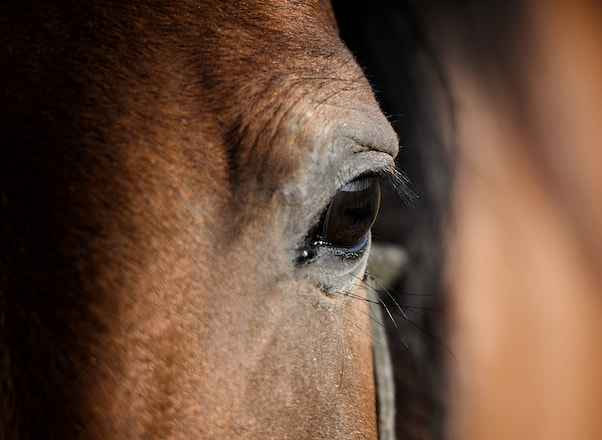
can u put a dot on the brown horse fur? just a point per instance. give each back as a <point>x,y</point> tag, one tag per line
<point>160,163</point>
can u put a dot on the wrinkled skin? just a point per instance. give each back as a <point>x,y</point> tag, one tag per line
<point>162,165</point>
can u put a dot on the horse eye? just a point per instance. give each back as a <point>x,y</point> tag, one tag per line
<point>351,214</point>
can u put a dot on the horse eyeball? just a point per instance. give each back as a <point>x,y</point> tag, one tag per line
<point>351,213</point>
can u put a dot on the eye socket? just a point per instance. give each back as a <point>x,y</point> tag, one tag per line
<point>351,214</point>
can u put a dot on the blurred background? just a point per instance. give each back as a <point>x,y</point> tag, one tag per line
<point>498,108</point>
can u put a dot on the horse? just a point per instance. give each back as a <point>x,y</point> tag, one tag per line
<point>186,195</point>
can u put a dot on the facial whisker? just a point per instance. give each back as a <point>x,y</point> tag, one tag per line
<point>361,329</point>
<point>401,311</point>
<point>379,301</point>
<point>415,309</point>
<point>370,313</point>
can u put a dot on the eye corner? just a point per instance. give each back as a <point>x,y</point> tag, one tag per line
<point>305,255</point>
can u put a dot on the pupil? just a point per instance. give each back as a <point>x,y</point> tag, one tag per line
<point>351,213</point>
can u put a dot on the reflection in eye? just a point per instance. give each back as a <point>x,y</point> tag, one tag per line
<point>351,213</point>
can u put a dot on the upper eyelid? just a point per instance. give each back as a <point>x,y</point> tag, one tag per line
<point>390,177</point>
<point>363,164</point>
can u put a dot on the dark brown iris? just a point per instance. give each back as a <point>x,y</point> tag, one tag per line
<point>351,213</point>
